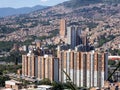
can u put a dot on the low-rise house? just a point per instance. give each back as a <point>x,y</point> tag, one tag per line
<point>12,84</point>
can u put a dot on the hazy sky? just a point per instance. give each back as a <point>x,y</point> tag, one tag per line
<point>28,3</point>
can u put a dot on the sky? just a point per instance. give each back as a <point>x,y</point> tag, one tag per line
<point>28,3</point>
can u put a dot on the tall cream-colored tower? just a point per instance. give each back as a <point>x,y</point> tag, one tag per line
<point>62,28</point>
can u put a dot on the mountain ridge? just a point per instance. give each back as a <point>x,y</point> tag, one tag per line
<point>9,11</point>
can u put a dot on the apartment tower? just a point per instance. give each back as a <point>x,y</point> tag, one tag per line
<point>62,28</point>
<point>86,69</point>
<point>73,36</point>
<point>40,67</point>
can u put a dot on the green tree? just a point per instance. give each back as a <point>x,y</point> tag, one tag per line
<point>3,79</point>
<point>57,86</point>
<point>111,62</point>
<point>45,81</point>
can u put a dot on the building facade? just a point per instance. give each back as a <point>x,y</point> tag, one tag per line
<point>86,69</point>
<point>40,67</point>
<point>62,28</point>
<point>73,36</point>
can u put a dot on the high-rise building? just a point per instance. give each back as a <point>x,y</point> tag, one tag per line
<point>15,47</point>
<point>84,39</point>
<point>40,67</point>
<point>86,69</point>
<point>62,28</point>
<point>38,43</point>
<point>73,36</point>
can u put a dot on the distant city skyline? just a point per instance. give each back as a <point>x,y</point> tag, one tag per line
<point>28,3</point>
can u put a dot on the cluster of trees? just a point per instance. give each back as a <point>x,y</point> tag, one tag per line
<point>112,63</point>
<point>3,79</point>
<point>4,69</point>
<point>5,29</point>
<point>114,52</point>
<point>6,45</point>
<point>103,39</point>
<point>14,57</point>
<point>91,25</point>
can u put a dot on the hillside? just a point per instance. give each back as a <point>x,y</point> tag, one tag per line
<point>79,3</point>
<point>12,11</point>
<point>101,20</point>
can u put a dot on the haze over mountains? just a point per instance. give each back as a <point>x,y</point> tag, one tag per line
<point>15,11</point>
<point>101,18</point>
